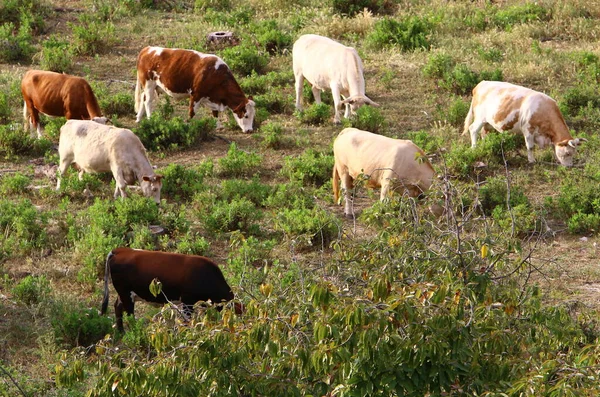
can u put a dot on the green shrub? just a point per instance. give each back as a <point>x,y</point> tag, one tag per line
<point>193,244</point>
<point>72,186</point>
<point>370,119</point>
<point>92,36</point>
<point>245,59</point>
<point>581,223</point>
<point>239,162</point>
<point>352,7</point>
<point>16,141</point>
<point>491,54</point>
<point>409,34</point>
<point>256,84</point>
<point>240,16</point>
<point>56,55</point>
<point>32,290</point>
<point>494,193</point>
<point>22,226</point>
<point>457,111</point>
<point>275,102</point>
<point>271,37</point>
<point>5,110</point>
<point>253,190</point>
<point>15,44</point>
<point>217,5</point>
<point>238,214</point>
<point>158,133</point>
<point>310,167</point>
<point>579,97</point>
<point>438,65</point>
<point>308,227</point>
<point>425,140</point>
<point>290,195</point>
<point>75,326</point>
<point>138,333</point>
<point>247,255</point>
<point>120,104</point>
<point>272,135</point>
<point>316,114</point>
<point>16,183</point>
<point>508,16</point>
<point>181,183</point>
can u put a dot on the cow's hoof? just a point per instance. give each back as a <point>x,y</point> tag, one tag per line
<point>349,216</point>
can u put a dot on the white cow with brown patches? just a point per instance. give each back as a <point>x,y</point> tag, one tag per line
<point>327,64</point>
<point>505,107</point>
<point>392,164</point>
<point>203,78</point>
<point>101,148</point>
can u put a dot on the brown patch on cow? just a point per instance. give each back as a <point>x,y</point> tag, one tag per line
<point>550,122</point>
<point>507,106</point>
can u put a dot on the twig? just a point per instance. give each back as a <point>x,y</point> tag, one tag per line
<point>13,380</point>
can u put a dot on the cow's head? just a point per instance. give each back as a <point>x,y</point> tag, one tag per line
<point>356,101</point>
<point>565,150</point>
<point>151,186</point>
<point>244,115</point>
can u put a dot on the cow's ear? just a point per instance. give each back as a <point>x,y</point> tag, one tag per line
<point>146,178</point>
<point>157,178</point>
<point>563,143</point>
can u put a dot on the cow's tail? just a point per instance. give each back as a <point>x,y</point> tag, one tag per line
<point>25,117</point>
<point>106,279</point>
<point>468,120</point>
<point>336,184</point>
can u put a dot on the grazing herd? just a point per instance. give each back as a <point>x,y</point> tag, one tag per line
<point>391,164</point>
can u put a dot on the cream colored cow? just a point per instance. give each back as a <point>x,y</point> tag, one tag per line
<point>392,164</point>
<point>327,64</point>
<point>504,107</point>
<point>100,148</point>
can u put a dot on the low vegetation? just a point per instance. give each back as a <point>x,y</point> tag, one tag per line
<point>481,287</point>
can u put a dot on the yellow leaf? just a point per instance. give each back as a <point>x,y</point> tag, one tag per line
<point>484,251</point>
<point>294,319</point>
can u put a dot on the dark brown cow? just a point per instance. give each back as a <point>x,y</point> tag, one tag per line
<point>203,78</point>
<point>57,95</point>
<point>185,278</point>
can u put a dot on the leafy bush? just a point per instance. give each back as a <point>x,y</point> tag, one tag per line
<point>239,162</point>
<point>253,190</point>
<point>217,5</point>
<point>56,55</point>
<point>193,244</point>
<point>15,44</point>
<point>32,289</point>
<point>425,140</point>
<point>316,114</point>
<point>495,194</point>
<point>158,134</point>
<point>409,34</point>
<point>15,141</point>
<point>275,102</point>
<point>92,36</point>
<point>290,195</point>
<point>271,37</point>
<point>272,136</point>
<point>16,183</point>
<point>181,183</point>
<point>581,223</point>
<point>369,118</point>
<point>310,167</point>
<point>75,326</point>
<point>120,104</point>
<point>457,111</point>
<point>245,59</point>
<point>255,84</point>
<point>22,226</point>
<point>578,98</point>
<point>237,214</point>
<point>308,227</point>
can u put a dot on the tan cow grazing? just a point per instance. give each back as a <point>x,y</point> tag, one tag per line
<point>505,107</point>
<point>392,164</point>
<point>185,278</point>
<point>101,148</point>
<point>56,94</point>
<point>203,78</point>
<point>327,64</point>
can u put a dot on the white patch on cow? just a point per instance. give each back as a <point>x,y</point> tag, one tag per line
<point>218,63</point>
<point>156,50</point>
<point>219,107</point>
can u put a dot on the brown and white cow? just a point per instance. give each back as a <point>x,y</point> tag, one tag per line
<point>56,94</point>
<point>203,78</point>
<point>392,164</point>
<point>327,64</point>
<point>185,278</point>
<point>101,148</point>
<point>505,107</point>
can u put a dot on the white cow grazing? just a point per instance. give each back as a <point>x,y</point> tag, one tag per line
<point>327,64</point>
<point>388,163</point>
<point>504,107</point>
<point>101,148</point>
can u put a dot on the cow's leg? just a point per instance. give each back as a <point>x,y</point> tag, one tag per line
<point>299,83</point>
<point>348,110</point>
<point>148,94</point>
<point>335,92</point>
<point>126,304</point>
<point>474,131</point>
<point>120,182</point>
<point>34,118</point>
<point>530,144</point>
<point>65,162</point>
<point>316,94</point>
<point>215,113</point>
<point>347,187</point>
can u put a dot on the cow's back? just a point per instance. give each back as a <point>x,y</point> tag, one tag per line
<point>89,143</point>
<point>336,62</point>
